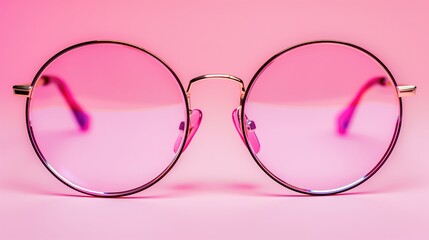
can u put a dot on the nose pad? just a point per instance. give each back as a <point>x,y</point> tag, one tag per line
<point>194,123</point>
<point>249,127</point>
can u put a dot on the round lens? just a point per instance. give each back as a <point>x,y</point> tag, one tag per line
<point>107,118</point>
<point>326,115</point>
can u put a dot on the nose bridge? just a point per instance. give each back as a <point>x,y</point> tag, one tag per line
<point>237,117</point>
<point>213,76</point>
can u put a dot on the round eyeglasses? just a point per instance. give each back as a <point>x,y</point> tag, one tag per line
<point>111,119</point>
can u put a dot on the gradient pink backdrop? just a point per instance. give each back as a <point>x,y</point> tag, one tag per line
<point>216,191</point>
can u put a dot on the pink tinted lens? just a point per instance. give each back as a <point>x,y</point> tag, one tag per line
<point>326,116</point>
<point>105,118</point>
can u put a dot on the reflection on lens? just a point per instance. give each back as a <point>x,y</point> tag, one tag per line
<point>105,117</point>
<point>326,115</point>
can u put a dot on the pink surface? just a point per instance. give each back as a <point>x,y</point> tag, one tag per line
<point>216,190</point>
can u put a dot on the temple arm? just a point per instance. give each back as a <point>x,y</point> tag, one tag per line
<point>346,115</point>
<point>82,118</point>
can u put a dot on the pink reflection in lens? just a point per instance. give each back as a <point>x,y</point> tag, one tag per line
<point>347,114</point>
<point>134,104</point>
<point>299,99</point>
<point>82,118</point>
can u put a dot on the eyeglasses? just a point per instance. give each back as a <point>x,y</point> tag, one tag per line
<point>111,119</point>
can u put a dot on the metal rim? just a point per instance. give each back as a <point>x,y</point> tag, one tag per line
<point>64,180</point>
<point>347,187</point>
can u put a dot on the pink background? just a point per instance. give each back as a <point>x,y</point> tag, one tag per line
<point>216,190</point>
